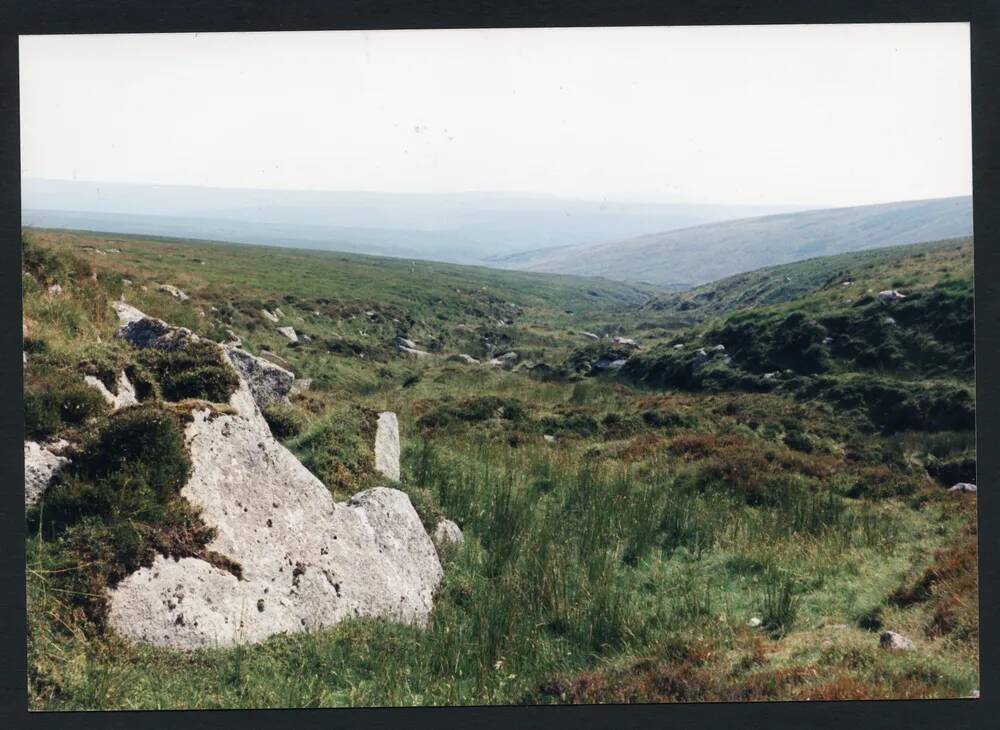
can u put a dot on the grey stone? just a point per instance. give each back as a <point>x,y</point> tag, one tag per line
<point>387,445</point>
<point>467,359</point>
<point>40,467</point>
<point>755,623</point>
<point>288,333</point>
<point>590,335</point>
<point>962,487</point>
<point>890,295</point>
<point>895,642</point>
<point>269,383</point>
<point>173,291</point>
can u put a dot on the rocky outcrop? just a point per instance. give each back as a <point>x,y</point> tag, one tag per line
<point>409,347</point>
<point>123,398</point>
<point>270,316</point>
<point>304,561</point>
<point>269,383</point>
<point>40,467</point>
<point>387,445</point>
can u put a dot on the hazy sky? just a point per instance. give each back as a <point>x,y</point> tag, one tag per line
<point>824,115</point>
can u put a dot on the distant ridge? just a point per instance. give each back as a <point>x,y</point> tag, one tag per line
<point>699,254</point>
<point>466,228</point>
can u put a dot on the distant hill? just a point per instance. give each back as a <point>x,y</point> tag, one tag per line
<point>783,283</point>
<point>696,255</point>
<point>458,228</point>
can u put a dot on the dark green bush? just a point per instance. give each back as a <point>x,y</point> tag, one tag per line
<point>142,442</point>
<point>196,371</point>
<point>475,410</point>
<point>575,424</point>
<point>659,418</point>
<point>956,469</point>
<point>622,425</point>
<point>56,400</point>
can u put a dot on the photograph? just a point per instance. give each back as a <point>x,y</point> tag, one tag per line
<point>498,366</point>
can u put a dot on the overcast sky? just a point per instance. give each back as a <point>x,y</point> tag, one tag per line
<point>815,115</point>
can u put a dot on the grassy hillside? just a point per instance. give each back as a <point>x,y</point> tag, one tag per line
<point>696,255</point>
<point>776,284</point>
<point>622,558</point>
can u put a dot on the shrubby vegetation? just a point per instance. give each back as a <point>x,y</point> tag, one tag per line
<point>620,559</point>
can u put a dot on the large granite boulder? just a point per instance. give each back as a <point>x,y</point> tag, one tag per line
<point>305,561</point>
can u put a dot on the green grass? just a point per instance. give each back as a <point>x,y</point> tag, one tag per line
<point>620,562</point>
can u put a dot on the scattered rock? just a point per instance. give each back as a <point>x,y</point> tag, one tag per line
<point>447,532</point>
<point>55,289</point>
<point>387,445</point>
<point>549,438</point>
<point>700,359</point>
<point>719,348</point>
<point>173,291</point>
<point>508,359</point>
<point>40,467</point>
<point>963,487</point>
<point>402,342</point>
<point>270,316</point>
<point>288,333</point>
<point>755,623</point>
<point>467,359</point>
<point>890,295</point>
<point>278,312</point>
<point>123,398</point>
<point>827,340</point>
<point>590,335</point>
<point>625,342</point>
<point>269,383</point>
<point>679,346</point>
<point>895,642</point>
